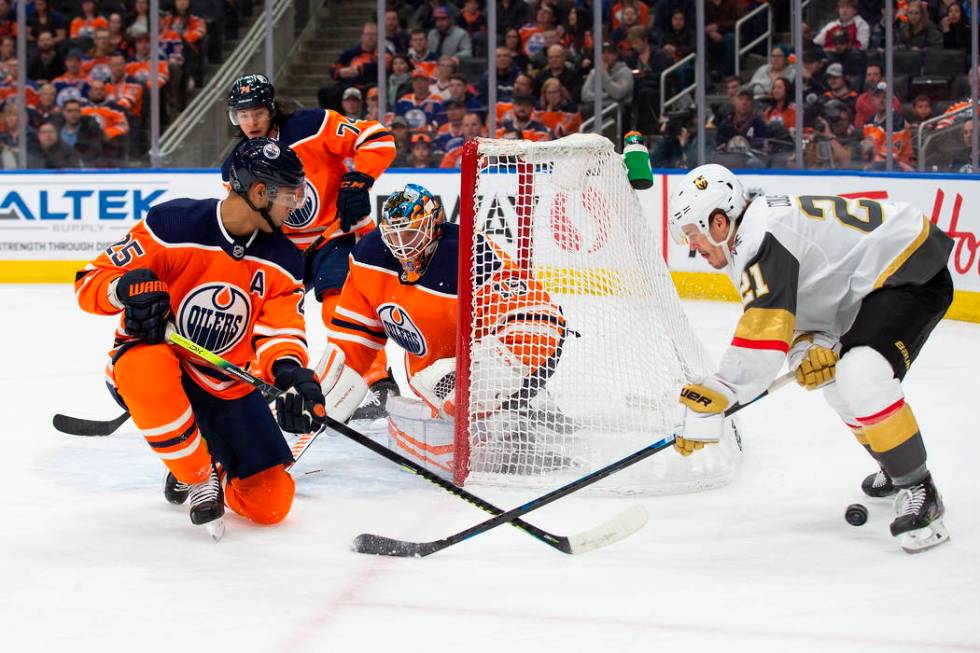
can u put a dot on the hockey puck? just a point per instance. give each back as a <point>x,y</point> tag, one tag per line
<point>856,514</point>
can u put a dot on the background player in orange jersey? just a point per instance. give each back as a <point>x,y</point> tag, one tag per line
<point>402,286</point>
<point>226,277</point>
<point>342,158</point>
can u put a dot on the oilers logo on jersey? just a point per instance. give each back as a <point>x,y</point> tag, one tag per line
<point>215,316</point>
<point>400,328</point>
<point>303,216</point>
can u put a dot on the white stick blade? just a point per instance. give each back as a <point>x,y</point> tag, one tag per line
<point>614,530</point>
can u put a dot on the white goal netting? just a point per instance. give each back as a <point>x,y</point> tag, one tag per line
<point>564,214</point>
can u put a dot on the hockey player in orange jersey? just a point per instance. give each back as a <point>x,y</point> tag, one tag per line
<point>223,274</point>
<point>402,286</point>
<point>342,159</point>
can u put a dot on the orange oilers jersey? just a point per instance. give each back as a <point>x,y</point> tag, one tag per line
<point>325,142</point>
<point>240,298</point>
<point>111,118</point>
<point>420,317</point>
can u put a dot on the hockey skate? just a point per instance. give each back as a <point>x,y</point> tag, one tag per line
<point>376,399</point>
<point>918,521</point>
<point>208,505</point>
<point>878,485</point>
<point>175,491</point>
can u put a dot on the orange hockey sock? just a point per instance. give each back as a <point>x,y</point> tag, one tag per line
<point>265,498</point>
<point>148,379</point>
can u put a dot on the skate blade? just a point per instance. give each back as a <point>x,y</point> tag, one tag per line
<point>216,529</point>
<point>923,539</point>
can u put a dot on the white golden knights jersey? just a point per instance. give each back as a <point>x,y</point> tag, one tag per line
<point>805,263</point>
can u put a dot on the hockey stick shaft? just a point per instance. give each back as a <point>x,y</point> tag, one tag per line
<point>556,541</point>
<point>559,542</point>
<point>388,546</point>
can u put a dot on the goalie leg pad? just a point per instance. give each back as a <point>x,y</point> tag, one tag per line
<point>413,431</point>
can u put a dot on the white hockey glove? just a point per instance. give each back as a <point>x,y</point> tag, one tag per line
<point>496,374</point>
<point>436,385</point>
<point>343,388</point>
<point>813,356</point>
<point>701,418</point>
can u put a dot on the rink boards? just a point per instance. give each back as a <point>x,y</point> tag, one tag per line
<point>52,223</point>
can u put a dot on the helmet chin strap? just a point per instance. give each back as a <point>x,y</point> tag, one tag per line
<point>264,212</point>
<point>725,247</point>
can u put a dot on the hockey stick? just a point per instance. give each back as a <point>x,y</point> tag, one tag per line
<point>88,427</point>
<point>85,427</point>
<point>611,531</point>
<point>381,545</point>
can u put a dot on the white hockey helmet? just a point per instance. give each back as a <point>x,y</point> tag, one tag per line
<point>698,194</point>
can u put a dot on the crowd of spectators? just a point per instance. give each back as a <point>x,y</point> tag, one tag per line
<point>96,56</point>
<point>88,75</point>
<point>437,82</point>
<point>844,113</point>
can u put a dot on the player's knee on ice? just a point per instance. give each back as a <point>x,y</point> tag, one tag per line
<point>265,497</point>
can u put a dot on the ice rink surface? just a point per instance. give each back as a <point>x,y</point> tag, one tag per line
<point>93,559</point>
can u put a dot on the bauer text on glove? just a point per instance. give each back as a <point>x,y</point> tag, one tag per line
<point>702,415</point>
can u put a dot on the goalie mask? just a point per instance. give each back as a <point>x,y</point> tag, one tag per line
<point>410,228</point>
<point>700,193</point>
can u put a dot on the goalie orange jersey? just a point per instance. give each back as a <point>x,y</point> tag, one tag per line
<point>329,145</point>
<point>420,317</point>
<point>242,299</point>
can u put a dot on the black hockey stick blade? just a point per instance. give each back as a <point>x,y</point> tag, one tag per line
<point>88,427</point>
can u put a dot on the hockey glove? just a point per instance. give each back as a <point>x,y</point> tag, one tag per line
<point>146,302</point>
<point>814,357</point>
<point>353,200</point>
<point>702,415</point>
<point>299,409</point>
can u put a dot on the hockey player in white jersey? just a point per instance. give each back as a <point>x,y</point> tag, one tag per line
<point>846,291</point>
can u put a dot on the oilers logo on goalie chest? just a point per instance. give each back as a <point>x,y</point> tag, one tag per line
<point>215,316</point>
<point>400,328</point>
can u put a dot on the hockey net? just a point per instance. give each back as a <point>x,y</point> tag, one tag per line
<point>565,213</point>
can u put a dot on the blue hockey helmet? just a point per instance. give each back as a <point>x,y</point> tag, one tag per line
<point>410,227</point>
<point>248,92</point>
<point>273,163</point>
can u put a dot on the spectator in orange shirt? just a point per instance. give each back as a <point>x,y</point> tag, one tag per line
<point>90,21</point>
<point>556,109</point>
<point>532,38</point>
<point>472,128</point>
<point>125,90</point>
<point>95,65</point>
<point>421,153</point>
<point>522,120</point>
<point>182,35</point>
<point>782,111</point>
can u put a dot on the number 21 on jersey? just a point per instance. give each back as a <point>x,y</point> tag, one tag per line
<point>753,285</point>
